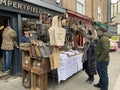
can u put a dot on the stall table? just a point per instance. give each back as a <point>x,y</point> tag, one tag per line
<point>69,66</point>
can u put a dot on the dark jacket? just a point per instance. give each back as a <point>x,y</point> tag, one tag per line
<point>103,47</point>
<point>90,64</point>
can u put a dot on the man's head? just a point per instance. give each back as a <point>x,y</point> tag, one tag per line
<point>26,31</point>
<point>102,29</point>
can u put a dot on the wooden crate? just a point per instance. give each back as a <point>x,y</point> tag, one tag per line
<point>43,68</point>
<point>39,82</point>
<point>26,59</point>
<point>26,80</point>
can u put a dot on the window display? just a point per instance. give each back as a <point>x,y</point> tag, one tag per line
<point>29,30</point>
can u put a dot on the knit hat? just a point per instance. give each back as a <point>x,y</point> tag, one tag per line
<point>89,37</point>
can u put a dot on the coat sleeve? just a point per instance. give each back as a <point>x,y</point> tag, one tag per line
<point>91,53</point>
<point>13,34</point>
<point>105,46</point>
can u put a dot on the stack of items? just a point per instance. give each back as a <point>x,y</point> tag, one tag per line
<point>40,65</point>
<point>35,63</point>
<point>39,76</point>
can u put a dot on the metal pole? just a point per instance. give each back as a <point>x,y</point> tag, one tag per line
<point>109,11</point>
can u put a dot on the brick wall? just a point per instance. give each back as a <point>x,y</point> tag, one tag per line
<point>89,12</point>
<point>69,4</point>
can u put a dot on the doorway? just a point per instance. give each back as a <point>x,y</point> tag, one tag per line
<point>3,21</point>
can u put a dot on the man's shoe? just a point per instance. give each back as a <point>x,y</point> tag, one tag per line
<point>8,71</point>
<point>97,85</point>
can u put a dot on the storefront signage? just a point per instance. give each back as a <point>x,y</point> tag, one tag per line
<point>20,6</point>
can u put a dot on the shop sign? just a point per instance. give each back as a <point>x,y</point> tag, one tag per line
<point>20,6</point>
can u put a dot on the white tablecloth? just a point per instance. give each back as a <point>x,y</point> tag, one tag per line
<point>69,66</point>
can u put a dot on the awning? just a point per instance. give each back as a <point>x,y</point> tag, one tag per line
<point>105,26</point>
<point>79,15</point>
<point>47,5</point>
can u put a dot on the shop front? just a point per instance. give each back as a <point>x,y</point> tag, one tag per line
<point>20,15</point>
<point>80,24</point>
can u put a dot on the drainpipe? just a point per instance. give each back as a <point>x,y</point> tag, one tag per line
<point>109,11</point>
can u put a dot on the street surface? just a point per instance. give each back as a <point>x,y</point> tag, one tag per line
<point>76,82</point>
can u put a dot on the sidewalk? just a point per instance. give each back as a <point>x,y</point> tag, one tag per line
<point>117,84</point>
<point>76,82</point>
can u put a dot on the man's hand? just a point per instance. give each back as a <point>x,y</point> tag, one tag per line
<point>1,27</point>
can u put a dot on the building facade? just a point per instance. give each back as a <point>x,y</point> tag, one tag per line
<point>115,17</point>
<point>71,5</point>
<point>75,5</point>
<point>115,9</point>
<point>76,12</point>
<point>96,9</point>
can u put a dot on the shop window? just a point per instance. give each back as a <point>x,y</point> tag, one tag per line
<point>35,29</point>
<point>29,28</point>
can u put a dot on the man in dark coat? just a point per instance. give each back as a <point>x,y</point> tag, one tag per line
<point>102,57</point>
<point>89,63</point>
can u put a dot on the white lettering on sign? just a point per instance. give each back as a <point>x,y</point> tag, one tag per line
<point>20,6</point>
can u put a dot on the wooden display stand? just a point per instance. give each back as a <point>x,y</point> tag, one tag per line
<point>34,70</point>
<point>26,65</point>
<point>39,78</point>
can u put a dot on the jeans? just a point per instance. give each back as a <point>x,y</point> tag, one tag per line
<point>102,68</point>
<point>7,58</point>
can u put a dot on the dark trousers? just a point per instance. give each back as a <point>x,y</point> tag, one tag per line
<point>91,77</point>
<point>102,68</point>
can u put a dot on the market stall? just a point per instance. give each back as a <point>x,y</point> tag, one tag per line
<point>46,51</point>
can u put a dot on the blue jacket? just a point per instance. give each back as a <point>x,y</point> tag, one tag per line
<point>25,39</point>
